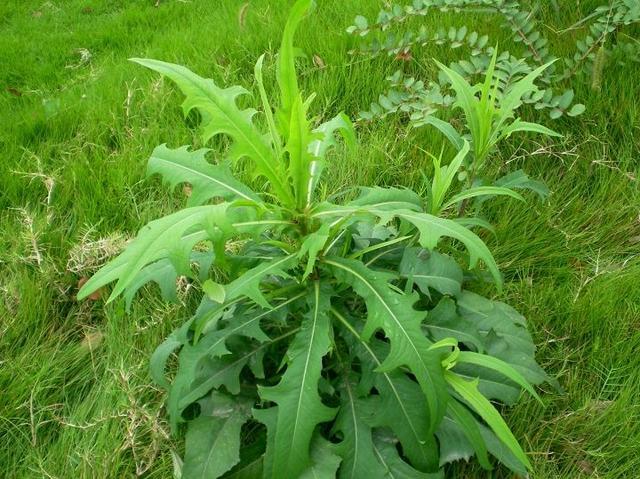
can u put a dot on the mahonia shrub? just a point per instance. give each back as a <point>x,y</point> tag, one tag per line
<point>333,339</point>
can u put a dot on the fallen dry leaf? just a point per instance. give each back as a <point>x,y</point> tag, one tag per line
<point>96,295</point>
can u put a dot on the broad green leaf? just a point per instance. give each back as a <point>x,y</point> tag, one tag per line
<point>221,115</point>
<point>207,180</point>
<point>172,237</point>
<point>356,448</point>
<point>430,269</point>
<point>324,462</point>
<point>213,439</point>
<point>443,322</point>
<point>401,405</point>
<point>432,228</point>
<point>393,313</point>
<point>299,407</point>
<point>387,198</point>
<point>469,392</point>
<point>397,468</point>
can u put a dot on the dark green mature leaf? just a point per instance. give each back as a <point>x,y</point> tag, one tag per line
<point>172,237</point>
<point>356,448</point>
<point>299,407</point>
<point>213,439</point>
<point>207,180</point>
<point>519,180</point>
<point>444,322</point>
<point>221,115</point>
<point>325,462</point>
<point>397,468</point>
<point>431,270</point>
<point>393,313</point>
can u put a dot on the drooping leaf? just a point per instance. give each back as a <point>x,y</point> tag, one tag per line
<point>172,237</point>
<point>393,313</point>
<point>213,439</point>
<point>164,274</point>
<point>519,180</point>
<point>207,180</point>
<point>299,407</point>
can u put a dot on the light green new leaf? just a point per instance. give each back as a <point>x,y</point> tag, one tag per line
<point>498,365</point>
<point>221,115</point>
<point>468,390</point>
<point>213,439</point>
<point>311,246</point>
<point>299,407</point>
<point>207,180</point>
<point>469,427</point>
<point>172,237</point>
<point>394,314</point>
<point>286,72</point>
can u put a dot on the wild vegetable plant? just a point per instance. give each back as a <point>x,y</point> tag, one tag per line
<point>490,118</point>
<point>606,37</point>
<point>333,339</point>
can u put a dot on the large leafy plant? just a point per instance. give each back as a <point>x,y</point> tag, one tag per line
<point>333,339</point>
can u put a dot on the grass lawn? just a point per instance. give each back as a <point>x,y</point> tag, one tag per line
<point>77,124</point>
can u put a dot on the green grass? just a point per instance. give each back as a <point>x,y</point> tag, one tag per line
<point>77,400</point>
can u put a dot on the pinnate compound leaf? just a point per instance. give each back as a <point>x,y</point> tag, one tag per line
<point>221,115</point>
<point>299,407</point>
<point>213,439</point>
<point>207,180</point>
<point>172,237</point>
<point>393,313</point>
